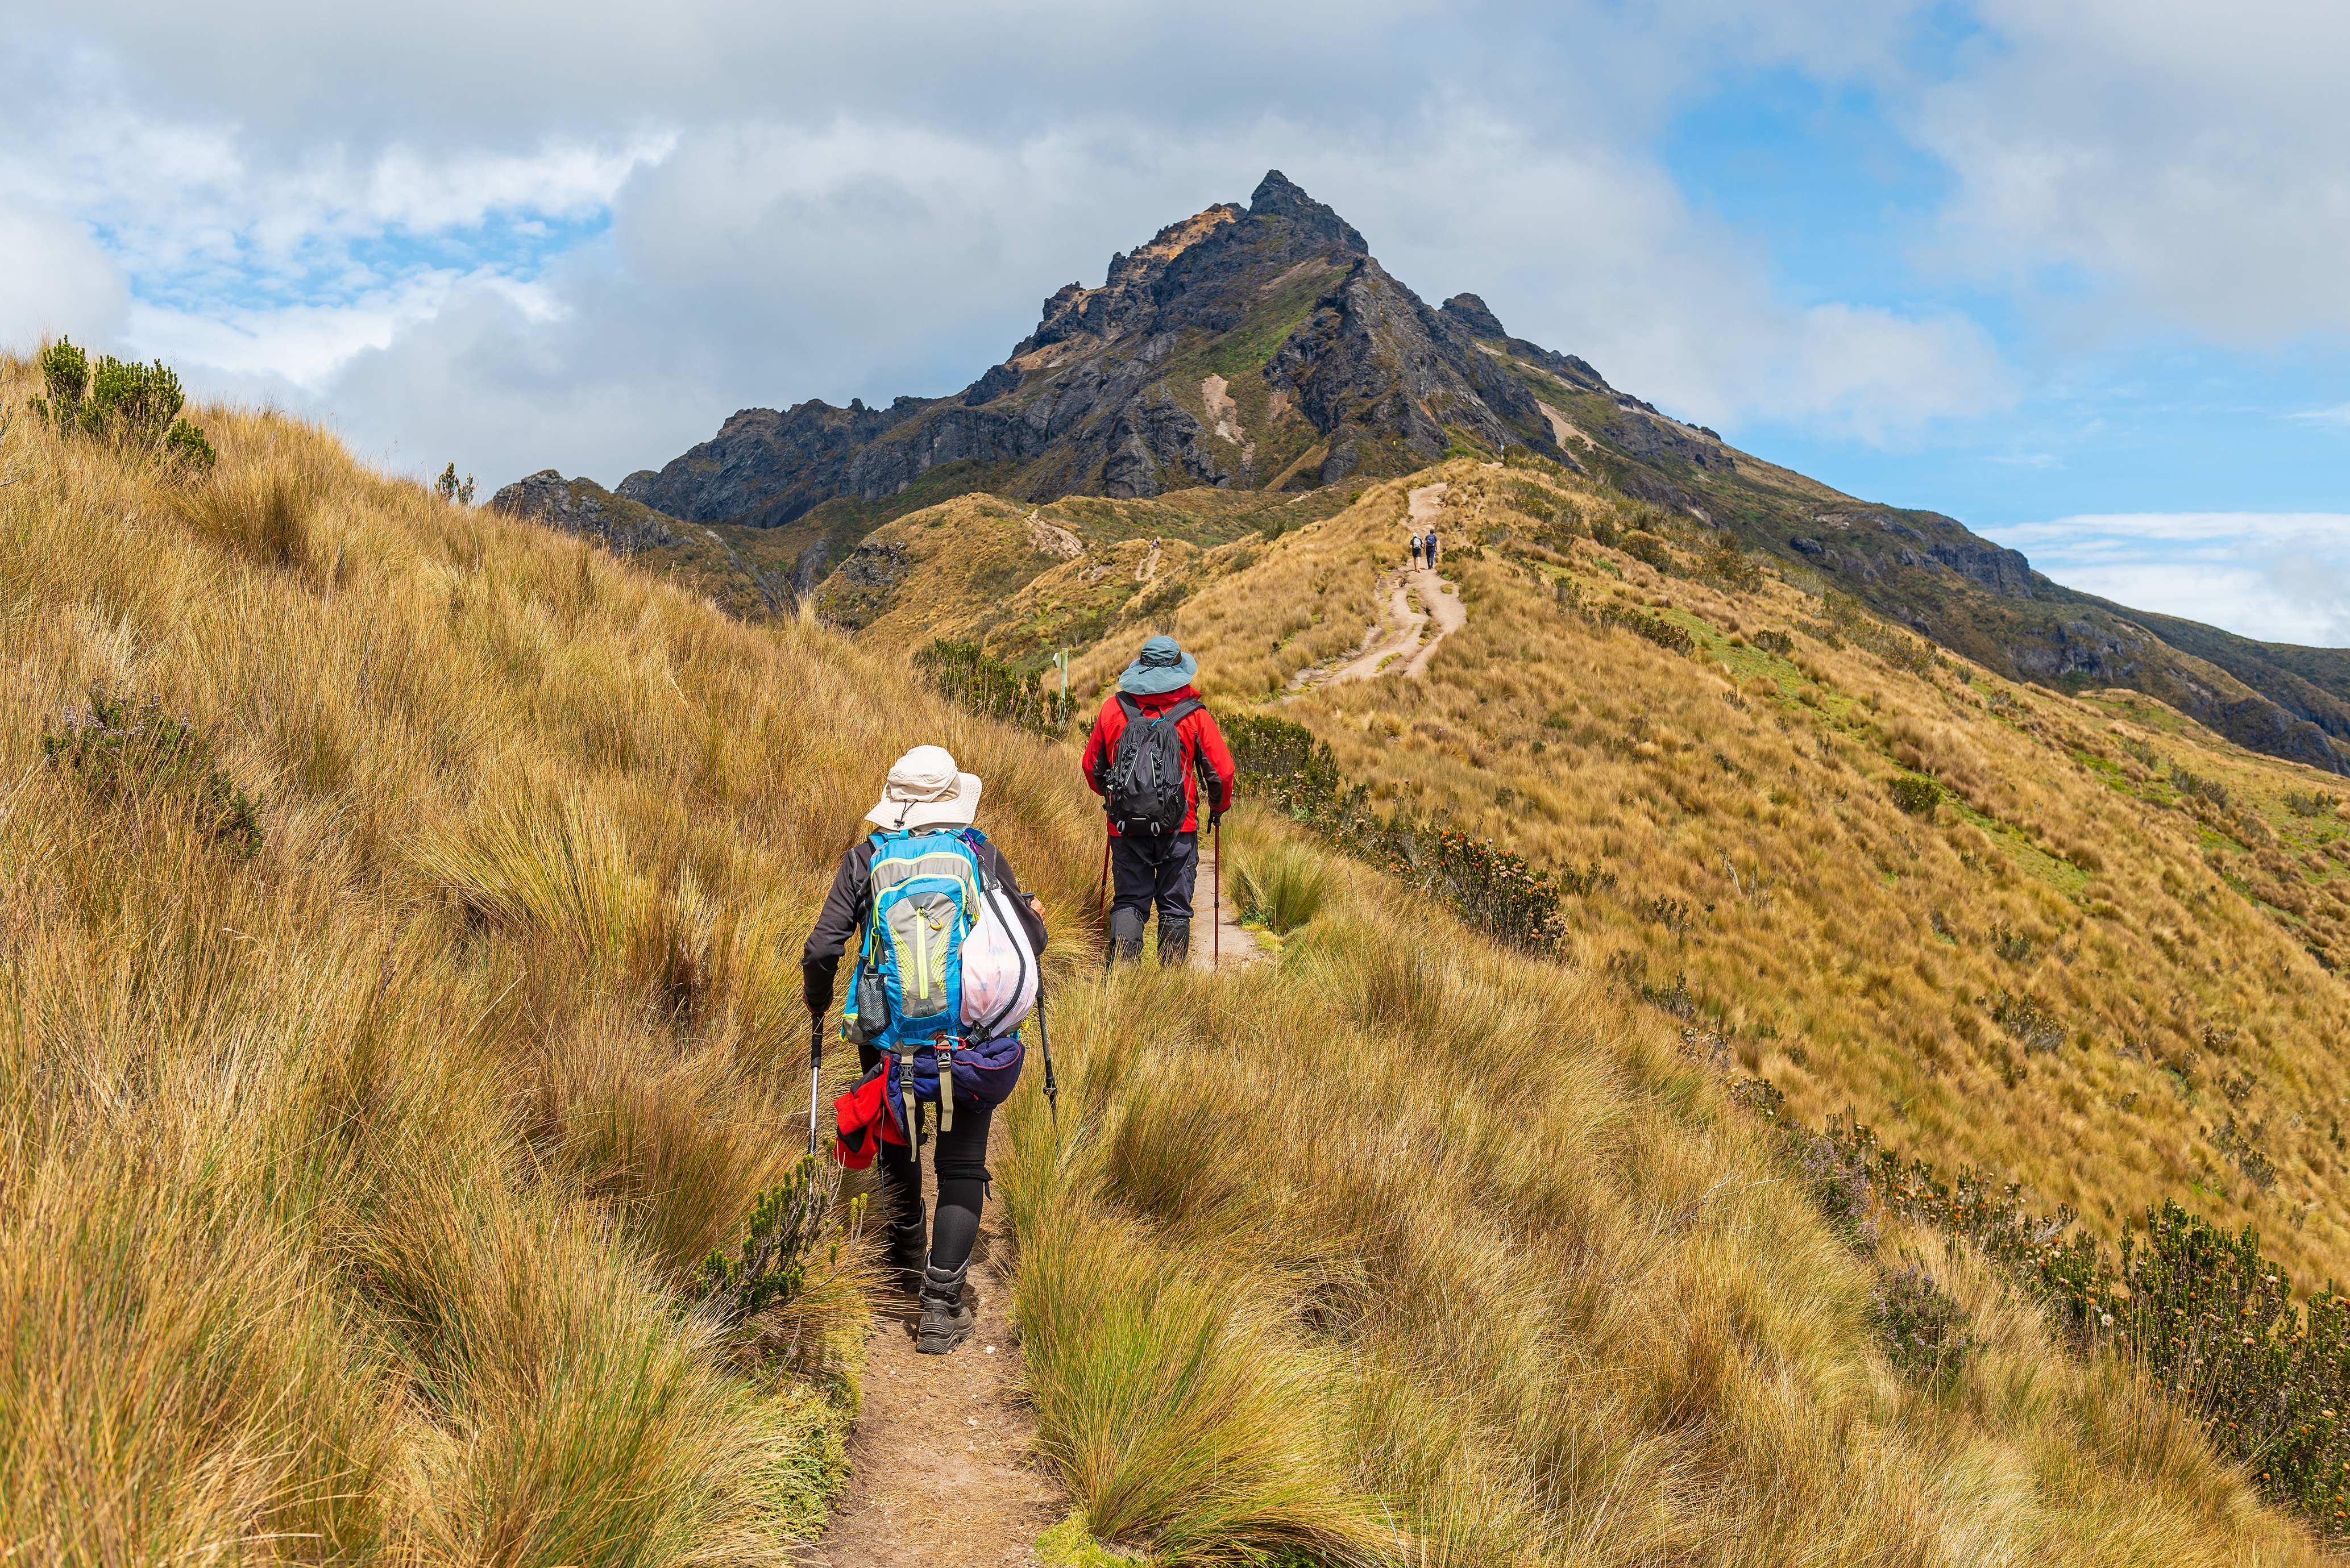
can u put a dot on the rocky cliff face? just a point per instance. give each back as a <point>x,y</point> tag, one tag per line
<point>584,507</point>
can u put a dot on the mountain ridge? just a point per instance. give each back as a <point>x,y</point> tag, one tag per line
<point>1264,348</point>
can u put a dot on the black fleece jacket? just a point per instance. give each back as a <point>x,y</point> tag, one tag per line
<point>850,901</point>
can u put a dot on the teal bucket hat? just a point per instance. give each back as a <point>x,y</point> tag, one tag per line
<point>1161,666</point>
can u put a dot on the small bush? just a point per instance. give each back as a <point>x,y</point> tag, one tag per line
<point>2028,1019</point>
<point>134,406</point>
<point>185,448</point>
<point>1917,795</point>
<point>964,675</point>
<point>788,1224</point>
<point>1728,566</point>
<point>1779,642</point>
<point>452,489</point>
<point>1284,887</point>
<point>1924,1326</point>
<point>2193,786</point>
<point>1647,547</point>
<point>131,755</point>
<point>2310,802</point>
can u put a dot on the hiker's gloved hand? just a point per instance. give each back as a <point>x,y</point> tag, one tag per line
<point>1215,820</point>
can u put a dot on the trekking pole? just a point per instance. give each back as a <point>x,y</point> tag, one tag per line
<point>1216,909</point>
<point>1052,1088</point>
<point>815,1065</point>
<point>1101,891</point>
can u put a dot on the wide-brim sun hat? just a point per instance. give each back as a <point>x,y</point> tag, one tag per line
<point>1161,666</point>
<point>926,790</point>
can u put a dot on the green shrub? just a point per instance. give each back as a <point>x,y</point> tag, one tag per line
<point>1666,634</point>
<point>788,1223</point>
<point>450,488</point>
<point>2312,802</point>
<point>185,448</point>
<point>1644,546</point>
<point>1284,887</point>
<point>1727,565</point>
<point>131,755</point>
<point>134,406</point>
<point>2207,1315</point>
<point>1492,889</point>
<point>964,675</point>
<point>1917,795</point>
<point>2193,786</point>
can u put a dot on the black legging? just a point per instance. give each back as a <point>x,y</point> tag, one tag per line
<point>960,1156</point>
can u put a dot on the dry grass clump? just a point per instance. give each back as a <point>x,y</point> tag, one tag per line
<point>1407,1250</point>
<point>349,1186</point>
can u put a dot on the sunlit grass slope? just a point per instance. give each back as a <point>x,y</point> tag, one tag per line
<point>1404,1248</point>
<point>347,1190</point>
<point>2100,963</point>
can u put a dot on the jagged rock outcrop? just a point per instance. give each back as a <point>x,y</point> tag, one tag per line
<point>584,507</point>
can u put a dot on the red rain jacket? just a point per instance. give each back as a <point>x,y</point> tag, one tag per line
<point>1203,745</point>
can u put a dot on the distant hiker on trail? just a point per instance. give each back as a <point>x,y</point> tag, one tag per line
<point>1432,547</point>
<point>1415,552</point>
<point>1152,741</point>
<point>947,947</point>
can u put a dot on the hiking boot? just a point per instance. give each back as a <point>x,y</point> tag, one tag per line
<point>909,1250</point>
<point>1174,940</point>
<point>1126,935</point>
<point>947,1319</point>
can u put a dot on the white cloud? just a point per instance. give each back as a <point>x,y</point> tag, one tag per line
<point>2276,577</point>
<point>2337,415</point>
<point>2186,161</point>
<point>54,281</point>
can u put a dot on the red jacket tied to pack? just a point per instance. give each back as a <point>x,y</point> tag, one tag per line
<point>1202,745</point>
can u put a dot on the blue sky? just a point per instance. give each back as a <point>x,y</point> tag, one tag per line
<point>2067,270</point>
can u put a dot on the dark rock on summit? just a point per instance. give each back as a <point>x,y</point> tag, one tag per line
<point>584,507</point>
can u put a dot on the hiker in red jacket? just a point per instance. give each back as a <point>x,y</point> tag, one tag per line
<point>1154,839</point>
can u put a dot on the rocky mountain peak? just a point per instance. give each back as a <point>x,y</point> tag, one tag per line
<point>1278,196</point>
<point>1473,317</point>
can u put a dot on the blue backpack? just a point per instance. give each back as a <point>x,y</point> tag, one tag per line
<point>907,999</point>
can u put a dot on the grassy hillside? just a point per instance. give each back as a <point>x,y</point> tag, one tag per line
<point>350,1185</point>
<point>352,1178</point>
<point>2094,950</point>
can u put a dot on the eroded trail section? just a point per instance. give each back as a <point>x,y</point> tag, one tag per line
<point>942,1468</point>
<point>1411,598</point>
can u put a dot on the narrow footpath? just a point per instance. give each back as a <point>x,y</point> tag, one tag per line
<point>1236,943</point>
<point>1405,638</point>
<point>943,1467</point>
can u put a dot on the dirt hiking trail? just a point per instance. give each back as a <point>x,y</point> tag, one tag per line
<point>1406,624</point>
<point>942,1468</point>
<point>1237,944</point>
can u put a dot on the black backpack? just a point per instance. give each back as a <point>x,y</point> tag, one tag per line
<point>1144,791</point>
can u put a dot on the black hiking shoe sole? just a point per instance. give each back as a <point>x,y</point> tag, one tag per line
<point>940,1332</point>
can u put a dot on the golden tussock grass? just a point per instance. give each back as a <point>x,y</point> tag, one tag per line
<point>2071,970</point>
<point>347,1190</point>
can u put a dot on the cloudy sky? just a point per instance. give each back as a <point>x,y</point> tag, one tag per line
<point>2069,270</point>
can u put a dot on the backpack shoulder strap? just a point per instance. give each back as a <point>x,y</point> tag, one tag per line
<point>1183,710</point>
<point>1129,706</point>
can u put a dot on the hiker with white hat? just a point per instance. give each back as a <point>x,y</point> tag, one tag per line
<point>1152,747</point>
<point>947,947</point>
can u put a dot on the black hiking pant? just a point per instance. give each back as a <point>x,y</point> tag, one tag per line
<point>960,1158</point>
<point>1152,871</point>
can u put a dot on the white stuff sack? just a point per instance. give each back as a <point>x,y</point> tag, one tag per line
<point>998,969</point>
